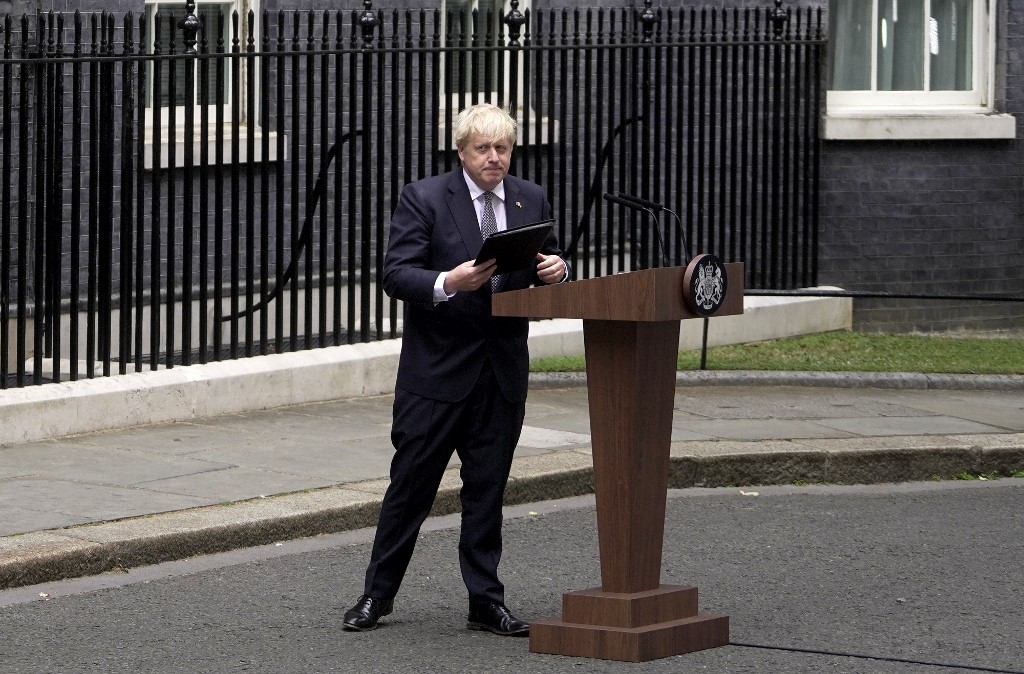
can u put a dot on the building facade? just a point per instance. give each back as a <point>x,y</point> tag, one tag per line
<point>921,162</point>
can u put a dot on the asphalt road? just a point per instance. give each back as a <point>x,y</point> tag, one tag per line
<point>815,579</point>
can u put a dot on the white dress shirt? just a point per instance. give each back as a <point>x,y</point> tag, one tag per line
<point>497,205</point>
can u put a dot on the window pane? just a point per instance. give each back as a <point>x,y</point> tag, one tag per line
<point>951,47</point>
<point>901,31</point>
<point>488,28</point>
<point>216,33</point>
<point>850,30</point>
<point>169,37</point>
<point>473,71</point>
<point>458,31</point>
<point>162,21</point>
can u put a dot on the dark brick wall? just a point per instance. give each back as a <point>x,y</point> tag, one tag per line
<point>940,217</point>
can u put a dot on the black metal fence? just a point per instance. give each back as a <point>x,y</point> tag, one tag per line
<point>183,189</point>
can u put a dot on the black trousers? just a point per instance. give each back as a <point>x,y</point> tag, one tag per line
<point>483,429</point>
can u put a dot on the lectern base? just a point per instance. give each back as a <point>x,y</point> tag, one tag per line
<point>632,627</point>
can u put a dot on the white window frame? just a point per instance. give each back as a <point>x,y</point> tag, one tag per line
<point>246,80</point>
<point>865,114</point>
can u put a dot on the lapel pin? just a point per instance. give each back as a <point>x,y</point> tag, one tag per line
<point>519,204</point>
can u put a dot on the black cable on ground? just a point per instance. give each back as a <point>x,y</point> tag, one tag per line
<point>872,294</point>
<point>882,658</point>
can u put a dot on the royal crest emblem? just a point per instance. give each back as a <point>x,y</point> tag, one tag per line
<point>706,283</point>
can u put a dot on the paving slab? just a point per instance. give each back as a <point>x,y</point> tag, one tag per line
<point>98,465</point>
<point>81,502</point>
<point>898,425</point>
<point>235,484</point>
<point>180,438</point>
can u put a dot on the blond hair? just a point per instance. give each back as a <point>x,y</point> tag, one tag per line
<point>489,121</point>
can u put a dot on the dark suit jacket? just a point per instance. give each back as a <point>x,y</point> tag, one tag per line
<point>434,228</point>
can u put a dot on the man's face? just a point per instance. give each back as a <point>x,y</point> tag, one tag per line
<point>486,160</point>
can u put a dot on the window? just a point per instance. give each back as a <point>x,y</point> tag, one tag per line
<point>479,76</point>
<point>475,73</point>
<point>898,58</point>
<point>216,89</point>
<point>461,23</point>
<point>163,33</point>
<point>908,52</point>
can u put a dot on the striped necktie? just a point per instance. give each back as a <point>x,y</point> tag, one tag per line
<point>488,226</point>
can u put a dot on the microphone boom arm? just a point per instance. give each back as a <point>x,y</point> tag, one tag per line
<point>656,207</point>
<point>621,201</point>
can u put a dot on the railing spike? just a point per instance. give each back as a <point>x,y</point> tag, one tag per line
<point>780,18</point>
<point>648,18</point>
<point>190,25</point>
<point>514,20</point>
<point>368,22</point>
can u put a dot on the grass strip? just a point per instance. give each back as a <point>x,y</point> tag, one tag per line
<point>848,352</point>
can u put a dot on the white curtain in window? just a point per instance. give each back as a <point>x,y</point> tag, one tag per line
<point>951,49</point>
<point>901,32</point>
<point>850,31</point>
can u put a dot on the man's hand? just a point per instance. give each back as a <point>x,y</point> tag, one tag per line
<point>551,268</point>
<point>469,277</point>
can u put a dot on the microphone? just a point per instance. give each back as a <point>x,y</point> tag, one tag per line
<point>623,200</point>
<point>657,208</point>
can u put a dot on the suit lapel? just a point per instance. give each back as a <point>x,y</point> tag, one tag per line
<point>513,205</point>
<point>513,216</point>
<point>463,214</point>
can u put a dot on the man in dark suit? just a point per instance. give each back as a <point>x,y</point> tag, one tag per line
<point>462,374</point>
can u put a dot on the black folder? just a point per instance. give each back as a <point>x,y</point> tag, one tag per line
<point>515,249</point>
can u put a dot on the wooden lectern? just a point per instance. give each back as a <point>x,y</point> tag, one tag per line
<point>631,337</point>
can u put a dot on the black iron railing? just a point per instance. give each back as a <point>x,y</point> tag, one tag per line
<point>183,189</point>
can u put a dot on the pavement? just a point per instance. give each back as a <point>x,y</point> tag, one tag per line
<point>91,503</point>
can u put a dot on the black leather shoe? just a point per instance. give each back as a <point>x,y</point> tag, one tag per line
<point>367,611</point>
<point>494,617</point>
